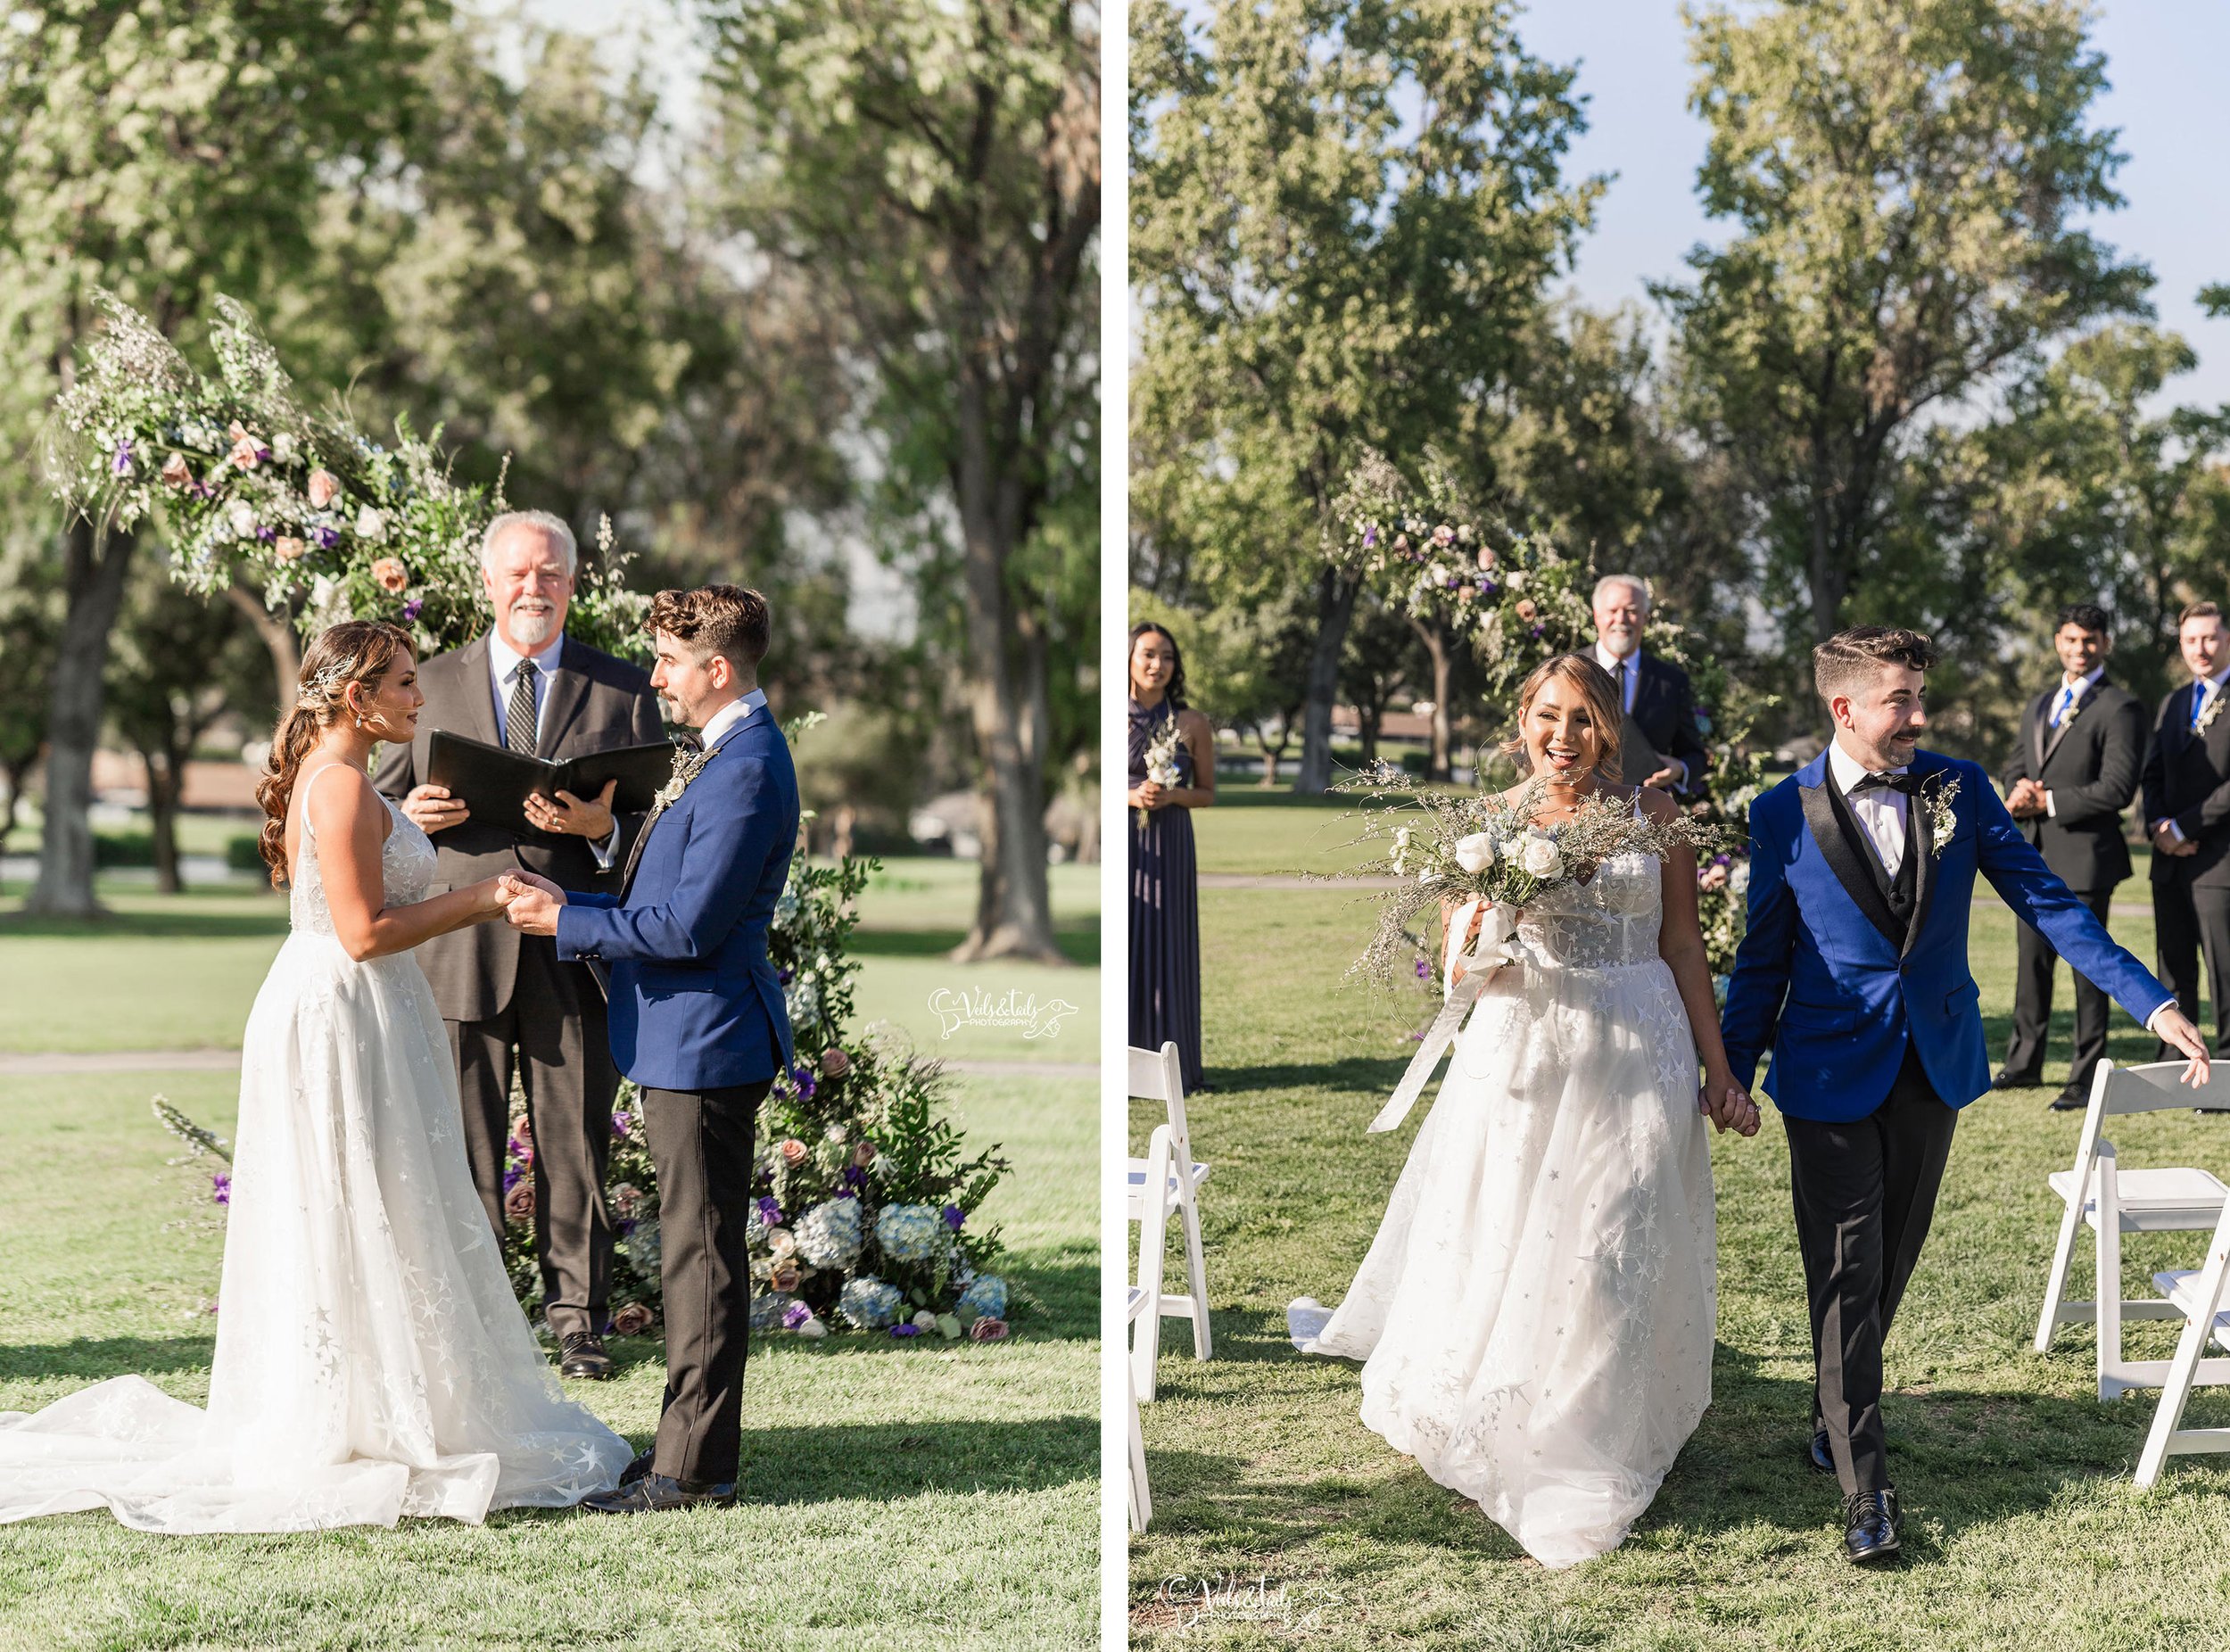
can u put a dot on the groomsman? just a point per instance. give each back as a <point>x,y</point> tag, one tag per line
<point>509,1004</point>
<point>2074,772</point>
<point>2187,794</point>
<point>1657,693</point>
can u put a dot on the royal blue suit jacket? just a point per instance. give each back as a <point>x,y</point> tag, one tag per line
<point>694,1003</point>
<point>1823,979</point>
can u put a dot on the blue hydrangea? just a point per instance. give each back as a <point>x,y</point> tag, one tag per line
<point>829,1235</point>
<point>767,1308</point>
<point>911,1233</point>
<point>983,1298</point>
<point>869,1304</point>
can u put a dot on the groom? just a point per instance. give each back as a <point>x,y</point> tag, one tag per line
<point>696,1016</point>
<point>1854,972</point>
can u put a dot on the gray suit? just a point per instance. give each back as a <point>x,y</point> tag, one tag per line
<point>505,997</point>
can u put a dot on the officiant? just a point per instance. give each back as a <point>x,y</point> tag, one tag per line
<point>1663,744</point>
<point>510,1004</point>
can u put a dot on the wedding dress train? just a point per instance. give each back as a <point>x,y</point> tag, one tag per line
<point>371,1359</point>
<point>1537,1312</point>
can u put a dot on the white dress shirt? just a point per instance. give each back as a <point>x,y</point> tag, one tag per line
<point>2208,687</point>
<point>2057,715</point>
<point>728,715</point>
<point>1880,812</point>
<point>1627,674</point>
<point>503,676</point>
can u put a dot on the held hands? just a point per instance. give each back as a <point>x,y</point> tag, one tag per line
<point>531,903</point>
<point>432,809</point>
<point>1733,1109</point>
<point>2172,1026</point>
<point>574,817</point>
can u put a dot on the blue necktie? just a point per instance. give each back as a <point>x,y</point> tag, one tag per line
<point>2060,712</point>
<point>2198,702</point>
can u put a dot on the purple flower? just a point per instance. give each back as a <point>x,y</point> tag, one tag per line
<point>511,1174</point>
<point>220,1187</point>
<point>953,1217</point>
<point>624,1227</point>
<point>326,538</point>
<point>1423,970</point>
<point>1538,630</point>
<point>619,1126</point>
<point>782,976</point>
<point>1488,588</point>
<point>1370,536</point>
<point>906,1330</point>
<point>124,464</point>
<point>795,1314</point>
<point>770,1212</point>
<point>411,609</point>
<point>268,535</point>
<point>802,1078</point>
<point>1723,860</point>
<point>854,1176</point>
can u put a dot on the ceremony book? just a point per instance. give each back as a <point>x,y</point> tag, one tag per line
<point>495,781</point>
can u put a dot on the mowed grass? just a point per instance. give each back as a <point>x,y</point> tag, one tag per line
<point>179,973</point>
<point>895,1495</point>
<point>1279,1518</point>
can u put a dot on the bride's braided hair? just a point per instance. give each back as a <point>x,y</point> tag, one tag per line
<point>353,651</point>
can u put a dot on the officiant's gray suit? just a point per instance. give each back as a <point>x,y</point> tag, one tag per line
<point>506,997</point>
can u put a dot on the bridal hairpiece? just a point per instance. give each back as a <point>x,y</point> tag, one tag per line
<point>311,695</point>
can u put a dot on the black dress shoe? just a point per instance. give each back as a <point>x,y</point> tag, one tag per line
<point>581,1354</point>
<point>2008,1080</point>
<point>637,1468</point>
<point>2074,1099</point>
<point>1870,1526</point>
<point>653,1494</point>
<point>1822,1459</point>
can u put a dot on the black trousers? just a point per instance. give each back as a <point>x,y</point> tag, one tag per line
<point>2188,922</point>
<point>553,1028</point>
<point>1865,1193</point>
<point>2035,958</point>
<point>700,1141</point>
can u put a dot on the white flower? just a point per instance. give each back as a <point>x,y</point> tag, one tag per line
<point>1476,853</point>
<point>1739,877</point>
<point>371,525</point>
<point>1541,858</point>
<point>282,446</point>
<point>242,519</point>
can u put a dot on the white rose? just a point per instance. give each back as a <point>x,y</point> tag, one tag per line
<point>243,518</point>
<point>282,446</point>
<point>1476,853</point>
<point>1739,877</point>
<point>370,526</point>
<point>1542,857</point>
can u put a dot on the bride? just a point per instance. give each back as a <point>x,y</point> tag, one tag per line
<point>371,1360</point>
<point>1536,1313</point>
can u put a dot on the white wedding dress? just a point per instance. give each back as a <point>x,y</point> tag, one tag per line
<point>371,1359</point>
<point>1538,1311</point>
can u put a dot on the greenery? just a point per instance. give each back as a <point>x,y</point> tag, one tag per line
<point>2022,1526</point>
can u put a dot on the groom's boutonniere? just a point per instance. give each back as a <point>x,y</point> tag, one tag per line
<point>686,766</point>
<point>1935,804</point>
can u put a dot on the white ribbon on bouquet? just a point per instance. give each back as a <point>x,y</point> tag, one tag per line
<point>1498,928</point>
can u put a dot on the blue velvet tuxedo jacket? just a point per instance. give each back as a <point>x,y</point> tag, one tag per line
<point>695,1003</point>
<point>1825,980</point>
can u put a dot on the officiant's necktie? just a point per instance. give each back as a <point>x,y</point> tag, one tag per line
<point>518,719</point>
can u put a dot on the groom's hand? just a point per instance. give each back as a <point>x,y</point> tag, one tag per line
<point>2172,1026</point>
<point>533,902</point>
<point>572,816</point>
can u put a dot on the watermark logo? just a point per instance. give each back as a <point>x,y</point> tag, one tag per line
<point>1188,1603</point>
<point>955,1008</point>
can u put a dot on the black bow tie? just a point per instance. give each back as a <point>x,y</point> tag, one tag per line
<point>1908,782</point>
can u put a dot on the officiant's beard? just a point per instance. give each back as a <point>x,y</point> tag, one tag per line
<point>533,622</point>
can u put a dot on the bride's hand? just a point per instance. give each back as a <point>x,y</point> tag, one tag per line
<point>1739,1110</point>
<point>489,896</point>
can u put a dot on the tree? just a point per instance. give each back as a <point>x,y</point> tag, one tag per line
<point>1342,216</point>
<point>179,665</point>
<point>1377,667</point>
<point>29,626</point>
<point>162,148</point>
<point>1905,181</point>
<point>935,174</point>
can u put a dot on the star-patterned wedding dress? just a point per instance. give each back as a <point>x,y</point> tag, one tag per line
<point>371,1359</point>
<point>1538,1311</point>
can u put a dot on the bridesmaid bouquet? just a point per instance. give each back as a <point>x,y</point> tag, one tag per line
<point>1161,762</point>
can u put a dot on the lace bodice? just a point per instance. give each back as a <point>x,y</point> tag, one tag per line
<point>1610,920</point>
<point>406,869</point>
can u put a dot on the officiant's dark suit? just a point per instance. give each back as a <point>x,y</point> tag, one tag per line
<point>2186,781</point>
<point>506,997</point>
<point>2085,751</point>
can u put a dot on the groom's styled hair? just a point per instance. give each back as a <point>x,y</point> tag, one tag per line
<point>715,619</point>
<point>1844,662</point>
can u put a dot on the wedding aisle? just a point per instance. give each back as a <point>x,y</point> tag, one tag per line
<point>1279,1518</point>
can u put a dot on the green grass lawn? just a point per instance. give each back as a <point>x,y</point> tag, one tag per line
<point>1279,1518</point>
<point>895,1495</point>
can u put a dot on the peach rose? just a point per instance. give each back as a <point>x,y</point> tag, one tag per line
<point>392,576</point>
<point>834,1062</point>
<point>795,1152</point>
<point>1713,877</point>
<point>288,549</point>
<point>632,1320</point>
<point>522,1126</point>
<point>176,472</point>
<point>518,1204</point>
<point>987,1331</point>
<point>863,1155</point>
<point>325,487</point>
<point>245,448</point>
<point>1486,558</point>
<point>783,1278</point>
<point>1526,611</point>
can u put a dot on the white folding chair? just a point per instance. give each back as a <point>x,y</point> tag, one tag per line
<point>1141,1499</point>
<point>1167,1177</point>
<point>2113,1202</point>
<point>2197,1295</point>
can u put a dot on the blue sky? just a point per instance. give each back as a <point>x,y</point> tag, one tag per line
<point>2165,59</point>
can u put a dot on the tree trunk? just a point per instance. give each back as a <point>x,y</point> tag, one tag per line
<point>165,782</point>
<point>1335,607</point>
<point>1367,721</point>
<point>97,559</point>
<point>1438,766</point>
<point>278,636</point>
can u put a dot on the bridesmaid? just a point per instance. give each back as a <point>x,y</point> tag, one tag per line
<point>1164,891</point>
